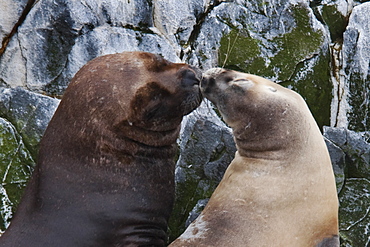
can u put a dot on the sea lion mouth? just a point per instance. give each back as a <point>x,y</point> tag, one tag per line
<point>209,88</point>
<point>146,136</point>
<point>192,102</point>
<point>206,84</point>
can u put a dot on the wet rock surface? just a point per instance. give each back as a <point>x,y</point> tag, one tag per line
<point>206,149</point>
<point>317,48</point>
<point>350,155</point>
<point>354,212</point>
<point>29,112</point>
<point>16,167</point>
<point>356,56</point>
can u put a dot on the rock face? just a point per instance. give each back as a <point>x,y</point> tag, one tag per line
<point>206,149</point>
<point>16,167</point>
<point>11,16</point>
<point>350,154</point>
<point>318,48</point>
<point>29,112</point>
<point>356,56</point>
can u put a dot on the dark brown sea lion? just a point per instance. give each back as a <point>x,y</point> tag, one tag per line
<point>280,189</point>
<point>105,172</point>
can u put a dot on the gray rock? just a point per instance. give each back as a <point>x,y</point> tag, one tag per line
<point>206,150</point>
<point>356,147</point>
<point>198,208</point>
<point>29,112</point>
<point>262,27</point>
<point>10,12</point>
<point>45,39</point>
<point>337,157</point>
<point>356,57</point>
<point>56,39</point>
<point>350,151</point>
<point>354,213</point>
<point>281,40</point>
<point>336,135</point>
<point>13,65</point>
<point>175,19</point>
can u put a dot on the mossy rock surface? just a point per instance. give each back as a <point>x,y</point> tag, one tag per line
<point>16,166</point>
<point>206,150</point>
<point>29,112</point>
<point>354,213</point>
<point>299,59</point>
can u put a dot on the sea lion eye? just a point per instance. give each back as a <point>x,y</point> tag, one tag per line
<point>240,80</point>
<point>228,79</point>
<point>243,82</point>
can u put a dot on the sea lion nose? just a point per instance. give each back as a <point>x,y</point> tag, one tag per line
<point>204,82</point>
<point>189,79</point>
<point>207,84</point>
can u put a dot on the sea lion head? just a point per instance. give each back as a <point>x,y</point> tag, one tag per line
<point>137,95</point>
<point>171,91</point>
<point>265,117</point>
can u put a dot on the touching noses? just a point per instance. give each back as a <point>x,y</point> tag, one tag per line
<point>189,79</point>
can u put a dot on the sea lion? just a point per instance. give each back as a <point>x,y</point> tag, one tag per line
<point>280,189</point>
<point>105,172</point>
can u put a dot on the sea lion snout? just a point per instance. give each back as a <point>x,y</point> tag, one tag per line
<point>209,79</point>
<point>212,82</point>
<point>224,78</point>
<point>191,77</point>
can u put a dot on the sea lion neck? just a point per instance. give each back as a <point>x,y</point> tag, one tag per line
<point>266,139</point>
<point>149,137</point>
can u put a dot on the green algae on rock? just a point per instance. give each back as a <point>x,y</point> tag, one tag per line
<point>312,80</point>
<point>354,212</point>
<point>300,59</point>
<point>16,166</point>
<point>29,112</point>
<point>240,51</point>
<point>335,20</point>
<point>206,148</point>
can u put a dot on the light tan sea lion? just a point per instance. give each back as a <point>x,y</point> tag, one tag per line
<point>279,191</point>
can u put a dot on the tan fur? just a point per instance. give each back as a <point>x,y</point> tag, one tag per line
<point>280,189</point>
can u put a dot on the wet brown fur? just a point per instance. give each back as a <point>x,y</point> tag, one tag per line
<point>105,174</point>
